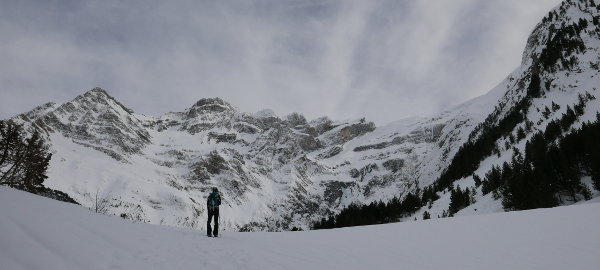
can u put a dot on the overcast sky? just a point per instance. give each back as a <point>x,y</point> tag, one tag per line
<point>383,60</point>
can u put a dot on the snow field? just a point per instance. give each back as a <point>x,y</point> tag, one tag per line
<point>39,233</point>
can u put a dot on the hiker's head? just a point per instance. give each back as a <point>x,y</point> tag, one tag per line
<point>215,189</point>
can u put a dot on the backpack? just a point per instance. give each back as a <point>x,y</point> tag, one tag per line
<point>213,201</point>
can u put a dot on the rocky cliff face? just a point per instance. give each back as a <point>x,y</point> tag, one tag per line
<point>95,120</point>
<point>274,173</point>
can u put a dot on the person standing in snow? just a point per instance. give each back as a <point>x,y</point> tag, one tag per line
<point>212,203</point>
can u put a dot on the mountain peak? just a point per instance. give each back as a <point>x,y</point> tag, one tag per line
<point>295,119</point>
<point>266,113</point>
<point>212,104</point>
<point>99,93</point>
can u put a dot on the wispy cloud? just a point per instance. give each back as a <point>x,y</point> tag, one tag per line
<point>385,60</point>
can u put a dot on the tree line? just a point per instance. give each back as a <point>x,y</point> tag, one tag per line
<point>378,212</point>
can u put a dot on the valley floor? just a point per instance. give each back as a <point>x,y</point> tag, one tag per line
<point>39,233</point>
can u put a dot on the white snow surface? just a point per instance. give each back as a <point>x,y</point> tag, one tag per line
<point>40,233</point>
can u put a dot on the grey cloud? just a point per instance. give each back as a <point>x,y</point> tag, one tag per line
<point>385,60</point>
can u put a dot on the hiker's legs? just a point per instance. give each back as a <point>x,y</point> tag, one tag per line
<point>216,217</point>
<point>208,227</point>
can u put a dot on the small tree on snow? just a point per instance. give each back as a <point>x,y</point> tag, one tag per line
<point>426,215</point>
<point>101,202</point>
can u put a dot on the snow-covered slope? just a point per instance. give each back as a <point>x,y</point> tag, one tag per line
<point>563,51</point>
<point>39,233</point>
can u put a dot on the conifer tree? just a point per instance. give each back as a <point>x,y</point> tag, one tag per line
<point>23,160</point>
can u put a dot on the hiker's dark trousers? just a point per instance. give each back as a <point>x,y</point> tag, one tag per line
<point>213,214</point>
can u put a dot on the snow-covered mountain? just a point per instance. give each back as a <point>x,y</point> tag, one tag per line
<point>562,52</point>
<point>276,173</point>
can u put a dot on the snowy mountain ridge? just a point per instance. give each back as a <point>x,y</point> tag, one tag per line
<point>278,173</point>
<point>273,173</point>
